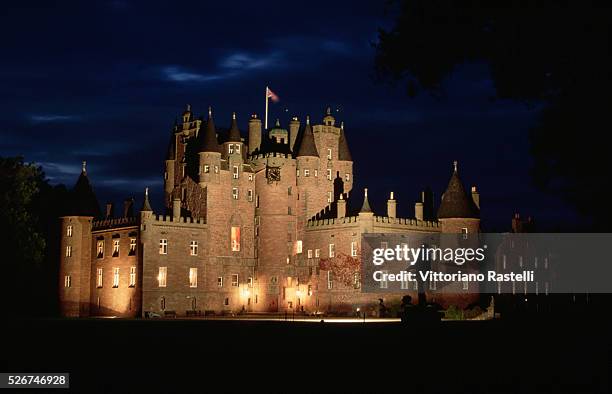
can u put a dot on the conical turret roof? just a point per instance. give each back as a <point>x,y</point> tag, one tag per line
<point>308,146</point>
<point>146,206</point>
<point>456,203</point>
<point>208,139</point>
<point>84,201</point>
<point>344,153</point>
<point>234,132</point>
<point>366,203</point>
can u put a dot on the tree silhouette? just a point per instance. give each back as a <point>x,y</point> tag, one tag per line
<point>547,53</point>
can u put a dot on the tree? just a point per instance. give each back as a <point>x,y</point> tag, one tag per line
<point>549,53</point>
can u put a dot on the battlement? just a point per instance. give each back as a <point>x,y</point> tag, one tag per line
<point>197,222</point>
<point>111,223</point>
<point>271,154</point>
<point>348,220</point>
<point>406,223</point>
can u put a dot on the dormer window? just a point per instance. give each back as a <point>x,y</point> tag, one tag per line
<point>231,149</point>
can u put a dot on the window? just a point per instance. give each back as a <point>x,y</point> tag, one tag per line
<point>289,191</point>
<point>237,147</point>
<point>347,177</point>
<point>99,278</point>
<point>329,197</point>
<point>316,173</point>
<point>163,246</point>
<point>193,277</point>
<point>216,169</point>
<point>354,248</point>
<point>317,253</point>
<point>67,281</point>
<point>250,177</point>
<point>234,280</point>
<point>329,176</point>
<point>306,172</point>
<point>356,280</point>
<point>250,195</point>
<point>464,231</point>
<point>404,283</point>
<point>384,245</point>
<point>115,277</point>
<point>329,154</point>
<point>220,281</point>
<point>132,246</point>
<point>330,280</point>
<point>250,281</point>
<point>162,276</point>
<point>231,149</point>
<point>206,169</point>
<point>235,172</point>
<point>115,248</point>
<point>235,193</point>
<point>235,239</point>
<point>332,250</point>
<point>132,277</point>
<point>309,253</point>
<point>299,246</point>
<point>504,262</point>
<point>309,290</point>
<point>257,201</point>
<point>297,173</point>
<point>226,301</point>
<point>69,231</point>
<point>100,248</point>
<point>384,283</point>
<point>193,248</point>
<point>521,261</point>
<point>68,251</point>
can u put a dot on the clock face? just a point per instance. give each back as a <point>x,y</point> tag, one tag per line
<point>273,174</point>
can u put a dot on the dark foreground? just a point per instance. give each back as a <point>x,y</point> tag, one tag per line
<point>571,355</point>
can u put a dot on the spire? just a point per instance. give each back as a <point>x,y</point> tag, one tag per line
<point>234,133</point>
<point>366,204</point>
<point>456,203</point>
<point>208,140</point>
<point>344,153</point>
<point>84,168</point>
<point>171,154</point>
<point>84,201</point>
<point>307,145</point>
<point>146,206</point>
<point>277,124</point>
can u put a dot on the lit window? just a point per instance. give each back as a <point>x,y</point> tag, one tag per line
<point>250,177</point>
<point>100,248</point>
<point>257,201</point>
<point>161,276</point>
<point>306,172</point>
<point>68,251</point>
<point>132,277</point>
<point>332,250</point>
<point>504,262</point>
<point>69,231</point>
<point>330,280</point>
<point>250,281</point>
<point>99,278</point>
<point>354,248</point>
<point>115,277</point>
<point>317,253</point>
<point>206,169</point>
<point>464,231</point>
<point>235,280</point>
<point>299,246</point>
<point>163,246</point>
<point>132,246</point>
<point>193,277</point>
<point>329,176</point>
<point>220,281</point>
<point>347,177</point>
<point>235,239</point>
<point>309,253</point>
<point>297,173</point>
<point>309,290</point>
<point>193,248</point>
<point>216,169</point>
<point>329,196</point>
<point>235,193</point>
<point>329,154</point>
<point>231,148</point>
<point>250,195</point>
<point>316,173</point>
<point>115,247</point>
<point>237,146</point>
<point>67,281</point>
<point>235,172</point>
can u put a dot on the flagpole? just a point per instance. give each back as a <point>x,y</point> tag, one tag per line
<point>266,120</point>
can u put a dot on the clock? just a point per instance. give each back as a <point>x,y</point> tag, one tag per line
<point>273,174</point>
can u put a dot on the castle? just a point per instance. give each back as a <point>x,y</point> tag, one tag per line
<point>256,226</point>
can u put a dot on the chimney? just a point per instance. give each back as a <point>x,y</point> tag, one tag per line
<point>341,205</point>
<point>391,206</point>
<point>254,134</point>
<point>109,210</point>
<point>294,127</point>
<point>176,210</point>
<point>517,226</point>
<point>418,210</point>
<point>128,207</point>
<point>476,196</point>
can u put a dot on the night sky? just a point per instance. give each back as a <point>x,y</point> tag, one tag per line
<point>104,82</point>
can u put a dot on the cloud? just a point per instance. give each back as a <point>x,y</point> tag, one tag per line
<point>51,118</point>
<point>248,61</point>
<point>180,74</point>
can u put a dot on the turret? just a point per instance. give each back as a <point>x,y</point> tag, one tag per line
<point>209,152</point>
<point>146,212</point>
<point>328,119</point>
<point>254,134</point>
<point>84,201</point>
<point>294,127</point>
<point>476,196</point>
<point>341,206</point>
<point>457,212</point>
<point>176,210</point>
<point>233,146</point>
<point>366,216</point>
<point>391,206</point>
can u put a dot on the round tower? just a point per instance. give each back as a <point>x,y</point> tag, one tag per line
<point>209,153</point>
<point>312,197</point>
<point>458,212</point>
<point>254,134</point>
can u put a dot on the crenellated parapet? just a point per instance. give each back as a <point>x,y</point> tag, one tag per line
<point>184,221</point>
<point>111,223</point>
<point>348,220</point>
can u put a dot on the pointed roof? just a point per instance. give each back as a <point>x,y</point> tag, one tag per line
<point>344,153</point>
<point>456,203</point>
<point>234,132</point>
<point>171,154</point>
<point>366,204</point>
<point>146,206</point>
<point>208,139</point>
<point>84,201</point>
<point>307,145</point>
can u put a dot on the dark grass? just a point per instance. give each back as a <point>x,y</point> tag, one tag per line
<point>174,356</point>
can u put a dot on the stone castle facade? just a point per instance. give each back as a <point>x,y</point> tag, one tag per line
<point>260,225</point>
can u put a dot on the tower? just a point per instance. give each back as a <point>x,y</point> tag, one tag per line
<point>458,213</point>
<point>254,134</point>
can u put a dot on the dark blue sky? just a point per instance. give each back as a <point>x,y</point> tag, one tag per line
<point>103,82</point>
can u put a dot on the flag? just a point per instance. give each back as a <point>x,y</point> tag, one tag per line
<point>271,95</point>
